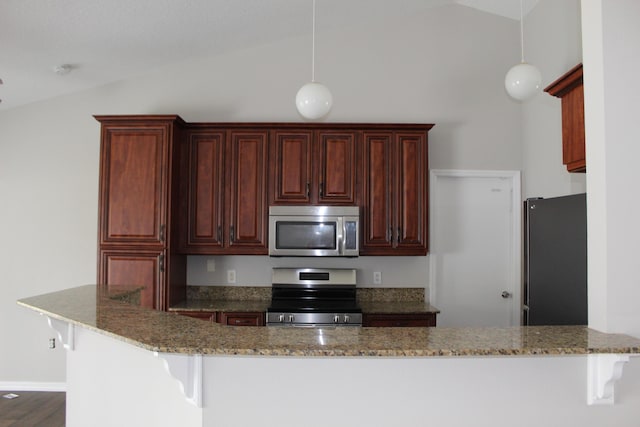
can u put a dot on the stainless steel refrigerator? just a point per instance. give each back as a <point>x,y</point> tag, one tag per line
<point>555,261</point>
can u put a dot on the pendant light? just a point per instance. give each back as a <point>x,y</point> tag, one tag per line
<point>523,80</point>
<point>313,100</point>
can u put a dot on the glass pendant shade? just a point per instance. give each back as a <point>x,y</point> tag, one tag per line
<point>522,81</point>
<point>314,100</point>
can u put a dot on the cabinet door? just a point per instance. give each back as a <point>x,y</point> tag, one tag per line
<point>290,167</point>
<point>133,185</point>
<point>206,191</point>
<point>411,193</point>
<point>377,195</point>
<point>139,267</point>
<point>246,191</point>
<point>337,174</point>
<point>573,148</point>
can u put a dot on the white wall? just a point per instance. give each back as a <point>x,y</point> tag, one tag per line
<point>553,44</point>
<point>443,66</point>
<point>611,93</point>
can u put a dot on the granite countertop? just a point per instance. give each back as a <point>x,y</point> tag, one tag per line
<point>222,305</point>
<point>397,307</point>
<point>172,333</point>
<point>258,299</point>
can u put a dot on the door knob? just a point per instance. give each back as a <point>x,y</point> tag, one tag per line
<point>506,294</point>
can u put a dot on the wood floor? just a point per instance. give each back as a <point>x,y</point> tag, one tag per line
<point>33,408</point>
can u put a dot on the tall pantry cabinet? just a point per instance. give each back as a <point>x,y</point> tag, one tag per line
<point>139,172</point>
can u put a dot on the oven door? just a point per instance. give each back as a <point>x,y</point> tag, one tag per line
<point>305,236</point>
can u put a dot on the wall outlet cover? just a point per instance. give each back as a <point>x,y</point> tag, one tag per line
<point>231,276</point>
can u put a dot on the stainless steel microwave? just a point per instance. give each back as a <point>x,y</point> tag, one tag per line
<point>314,231</point>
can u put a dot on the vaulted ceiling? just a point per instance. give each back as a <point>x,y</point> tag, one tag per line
<point>105,41</point>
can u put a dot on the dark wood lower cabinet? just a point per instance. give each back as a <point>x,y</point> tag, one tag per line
<point>391,320</point>
<point>251,318</point>
<point>134,267</point>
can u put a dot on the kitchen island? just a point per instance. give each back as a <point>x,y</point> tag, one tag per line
<point>117,353</point>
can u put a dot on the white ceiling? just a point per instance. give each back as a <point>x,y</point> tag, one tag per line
<point>106,41</point>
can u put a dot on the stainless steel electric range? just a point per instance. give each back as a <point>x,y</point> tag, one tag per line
<point>313,297</point>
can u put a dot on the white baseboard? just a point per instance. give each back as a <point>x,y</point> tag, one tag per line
<point>32,386</point>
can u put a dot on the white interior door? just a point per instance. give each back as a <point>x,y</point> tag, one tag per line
<point>475,247</point>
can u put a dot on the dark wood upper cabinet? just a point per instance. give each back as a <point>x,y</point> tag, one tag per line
<point>395,192</point>
<point>313,167</point>
<point>227,190</point>
<point>411,192</point>
<point>247,192</point>
<point>338,167</point>
<point>206,189</point>
<point>377,224</point>
<point>134,171</point>
<point>569,88</point>
<point>291,166</point>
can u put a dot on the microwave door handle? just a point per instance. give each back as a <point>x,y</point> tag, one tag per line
<point>341,242</point>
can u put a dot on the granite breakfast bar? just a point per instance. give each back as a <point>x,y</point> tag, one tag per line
<point>117,353</point>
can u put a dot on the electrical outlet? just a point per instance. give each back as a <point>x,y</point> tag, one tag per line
<point>231,276</point>
<point>211,265</point>
<point>377,278</point>
<point>52,343</point>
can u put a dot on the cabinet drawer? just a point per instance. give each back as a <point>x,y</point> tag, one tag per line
<point>241,318</point>
<point>399,320</point>
<point>204,315</point>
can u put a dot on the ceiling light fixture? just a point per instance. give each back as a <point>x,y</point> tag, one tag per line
<point>313,100</point>
<point>63,69</point>
<point>523,80</point>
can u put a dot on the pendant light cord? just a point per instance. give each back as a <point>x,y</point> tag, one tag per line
<point>521,33</point>
<point>313,43</point>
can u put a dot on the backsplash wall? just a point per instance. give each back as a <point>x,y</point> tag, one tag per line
<point>409,271</point>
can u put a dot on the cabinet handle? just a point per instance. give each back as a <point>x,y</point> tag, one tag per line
<point>391,235</point>
<point>219,234</point>
<point>398,236</point>
<point>161,263</point>
<point>322,189</point>
<point>162,230</point>
<point>231,235</point>
<point>308,189</point>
